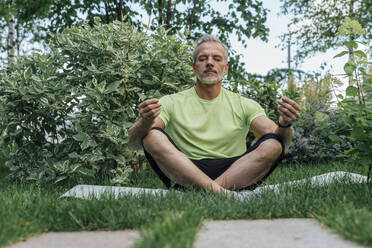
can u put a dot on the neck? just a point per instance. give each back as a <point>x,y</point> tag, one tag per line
<point>208,91</point>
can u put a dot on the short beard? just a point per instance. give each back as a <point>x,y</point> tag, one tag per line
<point>209,81</point>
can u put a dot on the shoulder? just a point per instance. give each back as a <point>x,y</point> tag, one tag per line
<point>176,96</point>
<point>236,96</point>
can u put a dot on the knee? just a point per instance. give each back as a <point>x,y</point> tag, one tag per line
<point>270,149</point>
<point>155,142</point>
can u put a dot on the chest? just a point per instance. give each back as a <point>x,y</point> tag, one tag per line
<point>226,117</point>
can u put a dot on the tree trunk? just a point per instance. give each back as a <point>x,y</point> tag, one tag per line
<point>351,58</point>
<point>107,13</point>
<point>169,14</point>
<point>192,17</point>
<point>11,51</point>
<point>160,8</point>
<point>351,12</point>
<point>18,40</point>
<point>120,10</point>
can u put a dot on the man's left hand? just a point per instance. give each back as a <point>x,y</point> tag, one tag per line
<point>289,111</point>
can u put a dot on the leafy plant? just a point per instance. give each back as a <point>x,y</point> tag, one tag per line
<point>356,106</point>
<point>315,137</point>
<point>66,113</point>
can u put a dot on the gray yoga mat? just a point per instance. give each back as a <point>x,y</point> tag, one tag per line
<point>96,191</point>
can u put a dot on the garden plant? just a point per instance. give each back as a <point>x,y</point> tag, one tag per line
<point>65,113</point>
<point>64,116</point>
<point>356,107</point>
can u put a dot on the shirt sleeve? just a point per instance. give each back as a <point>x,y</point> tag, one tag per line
<point>252,110</point>
<point>165,113</point>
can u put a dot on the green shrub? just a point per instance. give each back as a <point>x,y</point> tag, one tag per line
<point>356,107</point>
<point>315,138</point>
<point>66,113</point>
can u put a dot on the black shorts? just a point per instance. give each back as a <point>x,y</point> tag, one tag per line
<point>214,167</point>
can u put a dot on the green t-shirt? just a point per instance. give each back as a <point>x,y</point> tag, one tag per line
<point>209,128</point>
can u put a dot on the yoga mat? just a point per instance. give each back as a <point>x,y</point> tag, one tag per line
<point>96,191</point>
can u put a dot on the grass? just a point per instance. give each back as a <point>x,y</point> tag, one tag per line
<point>173,221</point>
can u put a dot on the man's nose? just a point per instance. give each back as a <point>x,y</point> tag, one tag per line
<point>210,61</point>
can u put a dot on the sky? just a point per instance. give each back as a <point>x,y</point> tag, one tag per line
<point>260,56</point>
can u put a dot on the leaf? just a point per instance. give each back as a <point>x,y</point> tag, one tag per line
<point>97,20</point>
<point>358,133</point>
<point>60,178</point>
<point>141,96</point>
<point>351,91</point>
<point>360,54</point>
<point>80,137</point>
<point>148,82</point>
<point>73,155</point>
<point>333,137</point>
<point>84,145</point>
<point>341,54</point>
<point>367,87</point>
<point>351,44</point>
<point>86,172</point>
<point>129,112</point>
<point>349,68</point>
<point>27,73</point>
<point>112,87</point>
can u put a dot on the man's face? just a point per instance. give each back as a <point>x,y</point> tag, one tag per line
<point>210,65</point>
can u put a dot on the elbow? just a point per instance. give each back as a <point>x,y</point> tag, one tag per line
<point>132,144</point>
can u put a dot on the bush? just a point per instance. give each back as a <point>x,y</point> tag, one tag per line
<point>315,138</point>
<point>66,113</point>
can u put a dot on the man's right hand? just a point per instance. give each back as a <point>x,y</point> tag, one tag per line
<point>150,109</point>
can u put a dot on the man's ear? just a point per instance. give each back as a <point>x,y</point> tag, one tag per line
<point>194,68</point>
<point>226,69</point>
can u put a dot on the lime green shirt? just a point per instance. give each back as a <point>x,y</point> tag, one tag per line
<point>209,128</point>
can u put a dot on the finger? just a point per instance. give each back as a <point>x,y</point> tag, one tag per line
<point>289,107</point>
<point>147,102</point>
<point>151,113</point>
<point>150,107</point>
<point>287,113</point>
<point>291,102</point>
<point>284,117</point>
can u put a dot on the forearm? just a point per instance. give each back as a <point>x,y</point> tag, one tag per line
<point>137,132</point>
<point>286,135</point>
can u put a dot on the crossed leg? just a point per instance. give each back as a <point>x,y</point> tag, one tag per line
<point>175,165</point>
<point>246,171</point>
<point>252,167</point>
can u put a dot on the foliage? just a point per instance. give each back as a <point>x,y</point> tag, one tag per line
<point>357,107</point>
<point>315,133</point>
<point>245,19</point>
<point>318,89</point>
<point>314,24</point>
<point>28,19</point>
<point>65,113</point>
<point>291,91</point>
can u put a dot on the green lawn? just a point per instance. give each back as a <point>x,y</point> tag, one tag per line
<point>27,209</point>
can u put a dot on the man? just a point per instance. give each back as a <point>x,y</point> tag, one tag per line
<point>197,137</point>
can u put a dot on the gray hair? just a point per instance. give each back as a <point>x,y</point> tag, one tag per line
<point>209,38</point>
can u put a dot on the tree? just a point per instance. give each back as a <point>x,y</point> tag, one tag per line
<point>314,24</point>
<point>20,20</point>
<point>244,18</point>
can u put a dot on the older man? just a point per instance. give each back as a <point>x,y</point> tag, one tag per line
<point>198,136</point>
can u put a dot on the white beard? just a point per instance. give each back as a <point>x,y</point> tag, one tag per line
<point>210,80</point>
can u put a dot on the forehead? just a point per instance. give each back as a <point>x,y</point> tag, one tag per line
<point>211,48</point>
